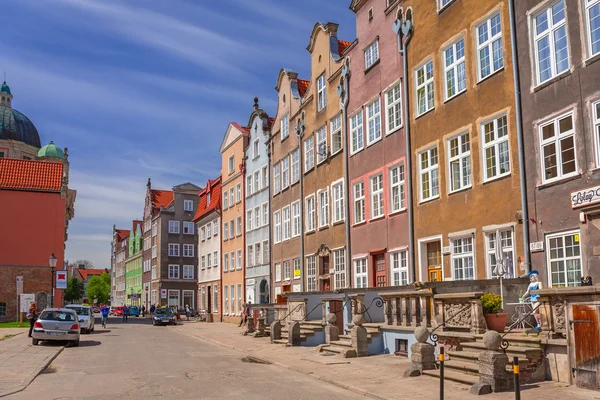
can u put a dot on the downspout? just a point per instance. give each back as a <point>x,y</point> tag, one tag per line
<point>220,214</point>
<point>344,93</point>
<point>300,133</point>
<point>404,31</point>
<point>518,109</point>
<point>269,152</point>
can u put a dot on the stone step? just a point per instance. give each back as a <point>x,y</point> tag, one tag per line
<point>280,341</point>
<point>511,351</point>
<point>315,323</point>
<point>518,339</point>
<point>453,376</point>
<point>342,343</point>
<point>472,357</point>
<point>465,367</point>
<point>348,337</point>
<point>343,351</point>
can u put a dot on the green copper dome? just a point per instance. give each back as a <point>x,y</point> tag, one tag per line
<point>51,150</point>
<point>4,88</point>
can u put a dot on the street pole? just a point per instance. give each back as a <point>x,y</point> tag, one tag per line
<point>52,287</point>
<point>516,378</point>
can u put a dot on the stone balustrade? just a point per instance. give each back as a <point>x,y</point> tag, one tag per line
<point>297,309</point>
<point>459,312</point>
<point>408,309</point>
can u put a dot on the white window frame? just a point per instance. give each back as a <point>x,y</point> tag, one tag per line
<point>265,212</point>
<point>373,110</point>
<point>376,195</point>
<point>463,158</point>
<point>443,4</point>
<point>463,256</point>
<point>188,250</point>
<point>208,231</point>
<point>238,193</point>
<point>338,201</point>
<point>188,272</point>
<point>339,264</point>
<point>309,153</point>
<point>453,68</point>
<point>256,148</point>
<point>250,256</point>
<point>225,262</point>
<point>203,263</point>
<point>225,200</point>
<point>285,126</point>
<point>297,267</point>
<point>321,92</point>
<point>556,140</point>
<point>589,4</point>
<point>596,128</point>
<point>286,218</point>
<point>397,182</point>
<point>359,201</point>
<point>371,54</point>
<point>231,164</point>
<point>265,176</point>
<point>257,217</point>
<point>265,244</point>
<point>173,271</point>
<point>295,168</point>
<point>249,183</point>
<point>173,253</point>
<point>496,144</point>
<point>576,235</point>
<point>399,274</point>
<point>296,219</point>
<point>232,262</point>
<point>215,228</point>
<point>276,178</point>
<point>188,205</point>
<point>361,274</point>
<point>239,259</point>
<point>429,171</point>
<point>257,254</point>
<point>278,272</point>
<point>287,270</point>
<point>188,228</point>
<point>226,231</point>
<point>277,226</point>
<point>491,250</point>
<point>549,33</point>
<point>311,273</point>
<point>310,206</point>
<point>169,297</point>
<point>257,181</point>
<point>427,85</point>
<point>335,129</point>
<point>321,135</point>
<point>209,260</point>
<point>249,220</point>
<point>323,200</point>
<point>285,173</point>
<point>239,226</point>
<point>202,233</point>
<point>357,139</point>
<point>489,45</point>
<point>225,300</point>
<point>393,109</point>
<point>174,226</point>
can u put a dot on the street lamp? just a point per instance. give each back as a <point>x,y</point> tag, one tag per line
<point>52,262</point>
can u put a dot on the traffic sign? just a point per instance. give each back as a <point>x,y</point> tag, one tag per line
<point>163,293</point>
<point>61,279</point>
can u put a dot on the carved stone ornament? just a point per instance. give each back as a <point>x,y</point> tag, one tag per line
<point>558,312</point>
<point>458,314</point>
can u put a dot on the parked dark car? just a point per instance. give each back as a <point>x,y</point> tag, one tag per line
<point>164,316</point>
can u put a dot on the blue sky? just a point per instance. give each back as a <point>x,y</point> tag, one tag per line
<point>139,89</point>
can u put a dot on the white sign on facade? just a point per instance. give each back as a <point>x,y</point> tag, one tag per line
<point>26,300</point>
<point>61,279</point>
<point>446,250</point>
<point>296,288</point>
<point>163,293</point>
<point>19,285</point>
<point>585,197</point>
<point>536,246</point>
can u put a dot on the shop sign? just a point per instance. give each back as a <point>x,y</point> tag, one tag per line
<point>536,246</point>
<point>585,197</point>
<point>250,282</point>
<point>296,288</point>
<point>297,273</point>
<point>446,250</point>
<point>61,279</point>
<point>163,293</point>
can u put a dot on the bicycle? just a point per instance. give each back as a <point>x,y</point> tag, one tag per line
<point>198,316</point>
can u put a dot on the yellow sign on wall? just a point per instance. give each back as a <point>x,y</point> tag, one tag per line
<point>296,273</point>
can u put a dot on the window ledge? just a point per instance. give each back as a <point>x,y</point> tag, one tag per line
<point>374,141</point>
<point>551,81</point>
<point>558,182</point>
<point>376,63</point>
<point>396,129</point>
<point>336,153</point>
<point>377,218</point>
<point>425,113</point>
<point>429,200</point>
<point>285,138</point>
<point>357,151</point>
<point>309,232</point>
<point>460,190</point>
<point>400,211</point>
<point>490,75</point>
<point>591,59</point>
<point>322,228</point>
<point>359,224</point>
<point>340,222</point>
<point>495,178</point>
<point>455,96</point>
<point>306,172</point>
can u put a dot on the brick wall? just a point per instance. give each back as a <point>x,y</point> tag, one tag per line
<point>35,280</point>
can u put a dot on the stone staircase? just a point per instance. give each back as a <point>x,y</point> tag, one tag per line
<point>462,362</point>
<point>343,346</point>
<point>307,328</point>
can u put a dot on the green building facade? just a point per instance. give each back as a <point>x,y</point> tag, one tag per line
<point>133,268</point>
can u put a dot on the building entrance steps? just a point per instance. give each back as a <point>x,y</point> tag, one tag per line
<point>307,329</point>
<point>343,346</point>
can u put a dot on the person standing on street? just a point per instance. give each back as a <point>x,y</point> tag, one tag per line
<point>32,315</point>
<point>104,311</point>
<point>188,312</point>
<point>125,313</point>
<point>143,311</point>
<point>152,308</point>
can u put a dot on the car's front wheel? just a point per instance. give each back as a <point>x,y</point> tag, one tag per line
<point>35,342</point>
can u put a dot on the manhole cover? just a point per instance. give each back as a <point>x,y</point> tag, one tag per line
<point>255,360</point>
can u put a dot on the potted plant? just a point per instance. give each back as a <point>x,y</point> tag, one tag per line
<point>492,311</point>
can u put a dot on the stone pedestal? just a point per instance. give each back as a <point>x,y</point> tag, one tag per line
<point>493,376</point>
<point>359,337</point>
<point>294,334</point>
<point>275,330</point>
<point>210,318</point>
<point>332,332</point>
<point>261,325</point>
<point>250,321</point>
<point>422,354</point>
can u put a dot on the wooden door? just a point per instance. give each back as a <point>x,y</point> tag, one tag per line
<point>380,271</point>
<point>325,265</point>
<point>586,335</point>
<point>335,306</point>
<point>208,300</point>
<point>434,261</point>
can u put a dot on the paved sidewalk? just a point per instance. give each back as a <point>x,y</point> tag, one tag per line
<point>20,361</point>
<point>379,377</point>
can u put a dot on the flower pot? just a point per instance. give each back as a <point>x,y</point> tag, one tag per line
<point>496,322</point>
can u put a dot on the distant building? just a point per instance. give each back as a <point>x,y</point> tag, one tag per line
<point>133,266</point>
<point>18,136</point>
<point>120,254</point>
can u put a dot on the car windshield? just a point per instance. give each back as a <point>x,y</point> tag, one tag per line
<point>57,316</point>
<point>165,311</point>
<point>81,311</point>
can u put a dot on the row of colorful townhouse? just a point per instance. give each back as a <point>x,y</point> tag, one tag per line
<point>450,138</point>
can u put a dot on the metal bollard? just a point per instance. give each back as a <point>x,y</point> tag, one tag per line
<point>441,372</point>
<point>516,377</point>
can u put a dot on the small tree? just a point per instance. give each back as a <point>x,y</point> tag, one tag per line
<point>87,264</point>
<point>74,290</point>
<point>98,288</point>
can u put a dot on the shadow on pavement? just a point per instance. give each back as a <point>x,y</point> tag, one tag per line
<point>89,343</point>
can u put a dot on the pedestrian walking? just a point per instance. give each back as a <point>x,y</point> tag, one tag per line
<point>32,315</point>
<point>152,308</point>
<point>245,313</point>
<point>105,311</point>
<point>188,312</point>
<point>143,311</point>
<point>125,313</point>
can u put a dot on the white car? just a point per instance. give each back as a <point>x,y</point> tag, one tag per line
<point>85,316</point>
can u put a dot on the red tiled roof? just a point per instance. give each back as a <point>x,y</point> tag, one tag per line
<point>214,186</point>
<point>122,234</point>
<point>342,45</point>
<point>30,175</point>
<point>271,121</point>
<point>243,129</point>
<point>302,86</point>
<point>162,198</point>
<point>86,273</point>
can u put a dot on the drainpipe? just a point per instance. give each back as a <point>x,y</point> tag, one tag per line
<point>269,153</point>
<point>404,31</point>
<point>300,133</point>
<point>522,177</point>
<point>344,93</point>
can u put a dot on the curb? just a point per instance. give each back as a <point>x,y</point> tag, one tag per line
<point>27,381</point>
<point>10,337</point>
<point>292,368</point>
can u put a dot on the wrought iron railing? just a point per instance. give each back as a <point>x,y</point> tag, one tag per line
<point>377,301</point>
<point>434,336</point>
<point>504,345</point>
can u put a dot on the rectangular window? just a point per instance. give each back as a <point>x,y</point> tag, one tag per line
<point>208,231</point>
<point>209,260</point>
<point>265,212</point>
<point>256,148</point>
<point>239,259</point>
<point>257,181</point>
<point>359,202</point>
<point>266,252</point>
<point>596,119</point>
<point>174,226</point>
<point>286,222</point>
<point>339,261</point>
<point>226,201</point>
<point>256,217</point>
<point>454,66</point>
<point>188,250</point>
<point>250,256</point>
<point>173,249</point>
<point>424,78</point>
<point>231,165</point>
<point>154,272</point>
<point>459,159</point>
<point>310,213</point>
<point>202,233</point>
<point>188,205</point>
<point>225,300</point>
<point>233,302</point>
<point>551,46</point>
<point>277,219</point>
<point>226,231</point>
<point>188,272</point>
<point>295,156</point>
<point>153,251</point>
<point>490,57</point>
<point>360,273</point>
<point>225,262</point>
<point>463,266</point>
<point>240,301</point>
<point>238,191</point>
<point>277,272</point>
<point>173,271</point>
<point>216,298</point>
<point>564,259</point>
<point>356,132</point>
<point>399,264</point>
<point>311,273</point>
<point>285,126</point>
<point>188,228</point>
<point>371,54</point>
<point>257,254</point>
<point>335,127</point>
<point>377,196</point>
<point>592,14</point>
<point>373,121</point>
<point>154,229</point>
<point>397,188</point>
<point>249,220</point>
<point>286,271</point>
<point>337,194</point>
<point>309,153</point>
<point>495,148</point>
<point>557,139</point>
<point>173,300</point>
<point>321,144</point>
<point>503,250</point>
<point>276,179</point>
<point>215,228</point>
<point>249,186</point>
<point>285,172</point>
<point>239,226</point>
<point>444,3</point>
<point>393,108</point>
<point>323,207</point>
<point>232,261</point>
<point>321,92</point>
<point>428,171</point>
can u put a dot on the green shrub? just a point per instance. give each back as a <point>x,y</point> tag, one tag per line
<point>492,303</point>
